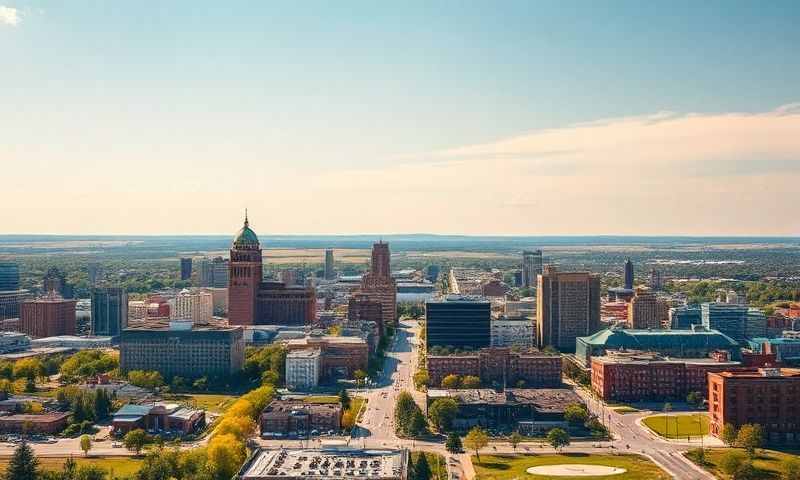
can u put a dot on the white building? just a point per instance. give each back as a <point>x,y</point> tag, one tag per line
<point>219,298</point>
<point>303,369</point>
<point>511,332</point>
<point>523,306</point>
<point>72,341</point>
<point>195,306</point>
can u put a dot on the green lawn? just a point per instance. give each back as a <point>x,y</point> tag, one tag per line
<point>678,426</point>
<point>122,466</point>
<point>514,467</point>
<point>437,463</point>
<point>625,409</point>
<point>767,462</point>
<point>212,402</point>
<point>321,399</point>
<point>356,404</point>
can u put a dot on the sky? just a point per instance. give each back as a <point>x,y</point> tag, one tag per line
<point>513,118</point>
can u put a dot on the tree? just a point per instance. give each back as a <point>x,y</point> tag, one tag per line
<point>86,444</point>
<point>418,424</point>
<point>470,381</point>
<point>728,434</point>
<point>226,454</point>
<point>453,443</point>
<point>576,413</point>
<point>344,399</point>
<point>422,471</point>
<point>736,464</point>
<point>421,379</point>
<point>558,438</point>
<point>515,439</point>
<point>442,413</point>
<point>360,376</point>
<point>348,420</point>
<point>475,440</point>
<point>750,437</point>
<point>790,468</point>
<point>451,382</point>
<point>90,472</point>
<point>135,440</point>
<point>23,464</point>
<point>694,399</point>
<point>69,470</point>
<point>404,410</point>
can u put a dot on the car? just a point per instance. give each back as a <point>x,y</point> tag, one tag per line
<point>116,445</point>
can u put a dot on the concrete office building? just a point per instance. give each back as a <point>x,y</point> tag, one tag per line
<point>458,321</point>
<point>109,311</point>
<point>769,397</point>
<point>303,369</point>
<point>728,318</point>
<point>330,273</point>
<point>628,274</point>
<point>646,310</point>
<point>531,267</point>
<point>9,276</point>
<point>197,306</point>
<point>567,307</point>
<point>186,269</point>
<point>513,332</point>
<point>682,318</point>
<point>182,348</point>
<point>47,317</point>
<point>10,301</point>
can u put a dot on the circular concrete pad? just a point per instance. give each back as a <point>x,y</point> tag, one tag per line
<point>575,470</point>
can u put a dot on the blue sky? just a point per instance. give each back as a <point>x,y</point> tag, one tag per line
<point>297,89</point>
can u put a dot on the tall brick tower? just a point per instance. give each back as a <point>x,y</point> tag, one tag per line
<point>378,284</point>
<point>380,260</point>
<point>245,270</point>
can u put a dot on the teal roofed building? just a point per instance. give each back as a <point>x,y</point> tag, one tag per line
<point>786,349</point>
<point>697,342</point>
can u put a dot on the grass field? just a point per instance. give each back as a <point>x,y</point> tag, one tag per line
<point>437,463</point>
<point>767,462</point>
<point>678,426</point>
<point>121,466</point>
<point>355,405</point>
<point>212,402</point>
<point>321,399</point>
<point>514,467</point>
<point>623,409</point>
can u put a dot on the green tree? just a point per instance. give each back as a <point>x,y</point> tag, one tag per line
<point>69,471</point>
<point>790,468</point>
<point>404,410</point>
<point>694,399</point>
<point>736,464</point>
<point>442,413</point>
<point>470,381</point>
<point>90,472</point>
<point>344,399</point>
<point>558,438</point>
<point>135,440</point>
<point>576,413</point>
<point>451,382</point>
<point>728,434</point>
<point>23,464</point>
<point>475,440</point>
<point>422,471</point>
<point>453,443</point>
<point>86,444</point>
<point>421,379</point>
<point>418,425</point>
<point>515,439</point>
<point>750,437</point>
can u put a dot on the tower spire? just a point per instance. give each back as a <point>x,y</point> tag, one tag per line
<point>246,222</point>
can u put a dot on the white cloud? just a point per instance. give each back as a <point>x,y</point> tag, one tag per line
<point>9,15</point>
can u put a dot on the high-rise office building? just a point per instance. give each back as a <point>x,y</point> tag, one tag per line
<point>10,301</point>
<point>531,267</point>
<point>56,282</point>
<point>656,279</point>
<point>379,285</point>
<point>628,274</point>
<point>458,321</point>
<point>186,269</point>
<point>221,271</point>
<point>646,310</point>
<point>9,276</point>
<point>330,273</point>
<point>728,318</point>
<point>682,318</point>
<point>197,307</point>
<point>95,271</point>
<point>567,307</point>
<point>109,310</point>
<point>48,316</point>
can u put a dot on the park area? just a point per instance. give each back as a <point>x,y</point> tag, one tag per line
<point>678,426</point>
<point>121,467</point>
<point>767,464</point>
<point>572,466</point>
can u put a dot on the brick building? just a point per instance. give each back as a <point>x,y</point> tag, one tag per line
<point>169,417</point>
<point>643,376</point>
<point>49,316</point>
<point>24,423</point>
<point>379,285</point>
<point>499,366</point>
<point>285,416</point>
<point>362,308</point>
<point>769,397</point>
<point>567,307</point>
<point>646,310</point>
<point>340,356</point>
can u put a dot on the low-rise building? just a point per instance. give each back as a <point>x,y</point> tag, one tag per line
<point>72,341</point>
<point>646,376</point>
<point>303,369</point>
<point>499,366</point>
<point>340,356</point>
<point>14,342</point>
<point>158,417</point>
<point>299,417</point>
<point>51,422</point>
<point>786,350</point>
<point>769,397</point>
<point>325,464</point>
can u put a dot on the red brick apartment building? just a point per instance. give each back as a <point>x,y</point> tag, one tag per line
<point>769,397</point>
<point>499,365</point>
<point>641,376</point>
<point>48,317</point>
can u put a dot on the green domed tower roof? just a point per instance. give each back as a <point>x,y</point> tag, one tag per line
<point>245,237</point>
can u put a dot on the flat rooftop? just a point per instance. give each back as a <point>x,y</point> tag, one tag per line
<point>770,373</point>
<point>544,400</point>
<point>163,324</point>
<point>325,463</point>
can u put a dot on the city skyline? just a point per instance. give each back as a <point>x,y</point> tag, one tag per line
<point>675,119</point>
